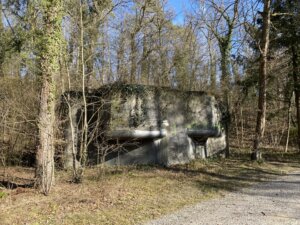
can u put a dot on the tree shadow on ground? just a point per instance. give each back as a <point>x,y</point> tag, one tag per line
<point>17,177</point>
<point>283,189</point>
<point>12,185</point>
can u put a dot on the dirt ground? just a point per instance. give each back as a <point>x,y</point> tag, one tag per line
<point>269,203</point>
<point>133,195</point>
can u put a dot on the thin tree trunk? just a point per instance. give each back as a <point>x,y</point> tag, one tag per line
<point>262,105</point>
<point>84,139</point>
<point>2,51</point>
<point>75,163</point>
<point>296,88</point>
<point>242,127</point>
<point>109,54</point>
<point>288,127</point>
<point>120,58</point>
<point>289,115</point>
<point>133,59</point>
<point>212,66</point>
<point>237,129</point>
<point>89,66</point>
<point>144,64</point>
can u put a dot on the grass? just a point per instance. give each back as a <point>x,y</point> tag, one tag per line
<point>131,195</point>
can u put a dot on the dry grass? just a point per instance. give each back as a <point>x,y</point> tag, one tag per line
<point>133,194</point>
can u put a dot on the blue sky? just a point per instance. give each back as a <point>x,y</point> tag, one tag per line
<point>179,6</point>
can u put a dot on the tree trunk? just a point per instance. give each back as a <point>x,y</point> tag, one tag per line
<point>120,58</point>
<point>49,64</point>
<point>89,60</point>
<point>242,127</point>
<point>296,88</point>
<point>133,58</point>
<point>224,42</point>
<point>2,50</point>
<point>261,113</point>
<point>144,64</point>
<point>84,128</point>
<point>288,123</point>
<point>212,67</point>
<point>224,49</point>
<point>45,154</point>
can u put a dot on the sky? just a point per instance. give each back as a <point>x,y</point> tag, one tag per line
<point>179,6</point>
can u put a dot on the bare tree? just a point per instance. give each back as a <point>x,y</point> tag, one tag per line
<point>222,24</point>
<point>262,102</point>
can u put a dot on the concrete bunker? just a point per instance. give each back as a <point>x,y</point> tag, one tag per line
<point>137,124</point>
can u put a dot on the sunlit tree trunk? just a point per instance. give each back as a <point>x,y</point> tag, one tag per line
<point>288,122</point>
<point>212,66</point>
<point>49,67</point>
<point>261,113</point>
<point>84,131</point>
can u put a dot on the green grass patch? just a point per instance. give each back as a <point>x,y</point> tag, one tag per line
<point>3,194</point>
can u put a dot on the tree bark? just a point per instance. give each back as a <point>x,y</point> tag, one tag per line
<point>262,105</point>
<point>225,49</point>
<point>49,63</point>
<point>2,51</point>
<point>144,64</point>
<point>212,67</point>
<point>296,88</point>
<point>84,133</point>
<point>133,59</point>
<point>121,57</point>
<point>288,123</point>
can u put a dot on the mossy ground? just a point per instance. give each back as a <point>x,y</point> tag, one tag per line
<point>131,195</point>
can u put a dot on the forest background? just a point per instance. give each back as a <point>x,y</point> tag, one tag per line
<point>246,53</point>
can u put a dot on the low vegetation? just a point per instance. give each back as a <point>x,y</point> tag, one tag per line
<point>131,195</point>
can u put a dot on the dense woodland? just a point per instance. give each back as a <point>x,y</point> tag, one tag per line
<point>244,52</point>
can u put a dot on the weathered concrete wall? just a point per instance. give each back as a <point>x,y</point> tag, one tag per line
<point>181,126</point>
<point>148,107</point>
<point>215,144</point>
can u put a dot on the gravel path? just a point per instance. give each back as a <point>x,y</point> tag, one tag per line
<point>275,202</point>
